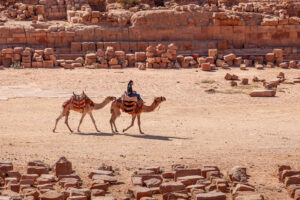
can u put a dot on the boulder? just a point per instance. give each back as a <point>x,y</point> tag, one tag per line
<point>37,169</point>
<point>105,178</point>
<point>168,175</point>
<point>245,81</point>
<point>171,187</point>
<point>211,196</point>
<point>190,180</point>
<point>206,67</point>
<point>140,192</point>
<point>187,172</point>
<point>250,197</point>
<point>291,189</point>
<point>242,187</point>
<point>52,195</point>
<point>292,180</point>
<point>238,173</point>
<point>287,173</point>
<point>97,192</point>
<point>100,172</point>
<point>263,93</point>
<point>63,167</point>
<point>153,182</point>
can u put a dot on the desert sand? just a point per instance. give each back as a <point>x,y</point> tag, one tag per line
<point>192,127</point>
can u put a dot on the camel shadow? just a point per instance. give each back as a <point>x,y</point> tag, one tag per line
<point>156,137</point>
<point>145,136</point>
<point>94,134</point>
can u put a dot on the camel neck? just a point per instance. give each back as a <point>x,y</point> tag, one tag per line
<point>101,105</point>
<point>151,107</point>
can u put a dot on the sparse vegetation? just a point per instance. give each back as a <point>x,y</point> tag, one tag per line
<point>247,87</point>
<point>16,65</point>
<point>208,81</point>
<point>228,91</point>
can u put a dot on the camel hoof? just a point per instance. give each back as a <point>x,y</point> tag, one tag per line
<point>124,130</point>
<point>142,133</point>
<point>71,131</point>
<point>53,130</point>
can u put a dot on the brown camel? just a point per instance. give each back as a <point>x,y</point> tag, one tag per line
<point>83,105</point>
<point>135,111</point>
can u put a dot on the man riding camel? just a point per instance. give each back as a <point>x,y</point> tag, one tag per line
<point>132,93</point>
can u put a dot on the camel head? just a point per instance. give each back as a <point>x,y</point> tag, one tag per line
<point>159,100</point>
<point>111,98</point>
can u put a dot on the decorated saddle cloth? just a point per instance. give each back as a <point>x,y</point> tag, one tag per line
<point>79,101</point>
<point>130,104</point>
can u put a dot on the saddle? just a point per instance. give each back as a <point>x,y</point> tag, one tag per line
<point>79,101</point>
<point>125,97</point>
<point>130,104</point>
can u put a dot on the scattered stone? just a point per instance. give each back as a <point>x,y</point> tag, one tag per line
<point>140,192</point>
<point>171,187</point>
<point>263,93</point>
<point>211,196</point>
<point>233,83</point>
<point>63,167</point>
<point>52,195</point>
<point>186,172</point>
<point>239,173</point>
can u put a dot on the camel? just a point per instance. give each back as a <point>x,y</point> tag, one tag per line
<point>86,107</point>
<point>136,111</point>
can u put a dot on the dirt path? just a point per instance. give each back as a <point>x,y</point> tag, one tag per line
<point>192,127</point>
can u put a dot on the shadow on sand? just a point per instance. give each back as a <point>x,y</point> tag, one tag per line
<point>145,136</point>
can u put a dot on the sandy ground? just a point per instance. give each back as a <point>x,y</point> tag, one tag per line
<point>192,127</point>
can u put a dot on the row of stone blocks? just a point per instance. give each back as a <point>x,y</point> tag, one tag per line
<point>148,183</point>
<point>159,56</point>
<point>291,180</point>
<point>28,57</point>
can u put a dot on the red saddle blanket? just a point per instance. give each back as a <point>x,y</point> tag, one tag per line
<point>79,101</point>
<point>131,107</point>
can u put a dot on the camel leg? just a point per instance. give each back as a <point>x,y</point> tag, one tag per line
<point>82,117</point>
<point>139,123</point>
<point>132,123</point>
<point>112,120</point>
<point>59,117</point>
<point>117,114</point>
<point>114,123</point>
<point>94,122</point>
<point>67,121</point>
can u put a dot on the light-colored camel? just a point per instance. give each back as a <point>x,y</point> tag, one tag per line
<point>88,108</point>
<point>118,105</point>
